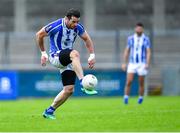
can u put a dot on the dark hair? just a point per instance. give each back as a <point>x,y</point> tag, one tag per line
<point>73,12</point>
<point>140,24</point>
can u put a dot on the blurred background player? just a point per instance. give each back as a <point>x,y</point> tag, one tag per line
<point>138,54</point>
<point>63,33</point>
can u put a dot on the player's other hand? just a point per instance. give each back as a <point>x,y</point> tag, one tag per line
<point>44,58</point>
<point>91,60</point>
<point>91,63</point>
<point>124,67</point>
<point>146,66</point>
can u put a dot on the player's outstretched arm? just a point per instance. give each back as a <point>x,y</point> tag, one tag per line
<point>90,47</point>
<point>40,41</point>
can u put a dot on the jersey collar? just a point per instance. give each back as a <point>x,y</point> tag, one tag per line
<point>64,24</point>
<point>135,35</point>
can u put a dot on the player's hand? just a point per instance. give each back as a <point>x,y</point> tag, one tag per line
<point>91,60</point>
<point>124,67</point>
<point>146,66</point>
<point>44,58</point>
<point>91,63</point>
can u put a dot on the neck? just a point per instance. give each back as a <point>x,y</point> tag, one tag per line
<point>139,35</point>
<point>66,22</point>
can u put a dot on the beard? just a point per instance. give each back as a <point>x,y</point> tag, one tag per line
<point>139,33</point>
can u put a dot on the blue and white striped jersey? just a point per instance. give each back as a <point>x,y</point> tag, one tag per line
<point>60,36</point>
<point>138,46</point>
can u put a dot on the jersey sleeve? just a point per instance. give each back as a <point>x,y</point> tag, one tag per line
<point>148,43</point>
<point>80,29</point>
<point>52,27</point>
<point>129,41</point>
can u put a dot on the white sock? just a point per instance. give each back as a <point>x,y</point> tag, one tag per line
<point>126,96</point>
<point>140,97</point>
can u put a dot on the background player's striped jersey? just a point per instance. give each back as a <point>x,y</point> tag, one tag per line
<point>60,36</point>
<point>138,46</point>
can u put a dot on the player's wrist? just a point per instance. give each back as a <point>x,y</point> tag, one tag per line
<point>147,64</point>
<point>91,56</point>
<point>43,53</point>
<point>124,63</point>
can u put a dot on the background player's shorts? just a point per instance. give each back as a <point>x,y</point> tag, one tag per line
<point>137,68</point>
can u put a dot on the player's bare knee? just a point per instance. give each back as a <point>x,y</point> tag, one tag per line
<point>128,83</point>
<point>69,90</point>
<point>141,85</point>
<point>74,54</point>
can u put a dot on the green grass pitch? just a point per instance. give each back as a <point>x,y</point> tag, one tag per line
<point>92,114</point>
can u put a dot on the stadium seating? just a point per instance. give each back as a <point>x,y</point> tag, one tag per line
<point>110,18</point>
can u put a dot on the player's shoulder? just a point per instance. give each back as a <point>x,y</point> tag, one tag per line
<point>80,26</point>
<point>130,37</point>
<point>54,25</point>
<point>59,21</point>
<point>80,29</point>
<point>56,22</point>
<point>130,40</point>
<point>146,37</point>
<point>146,40</point>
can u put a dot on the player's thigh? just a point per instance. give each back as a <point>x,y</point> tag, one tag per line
<point>55,61</point>
<point>142,71</point>
<point>141,79</point>
<point>130,77</point>
<point>64,57</point>
<point>68,77</point>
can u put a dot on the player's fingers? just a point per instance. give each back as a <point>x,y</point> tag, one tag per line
<point>123,68</point>
<point>43,64</point>
<point>91,65</point>
<point>146,67</point>
<point>43,61</point>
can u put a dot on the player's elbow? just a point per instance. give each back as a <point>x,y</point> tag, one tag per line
<point>126,52</point>
<point>149,52</point>
<point>38,35</point>
<point>41,34</point>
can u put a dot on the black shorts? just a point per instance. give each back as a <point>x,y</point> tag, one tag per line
<point>68,77</point>
<point>64,57</point>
